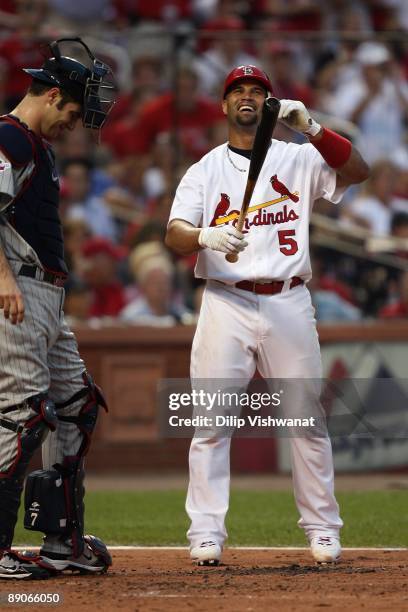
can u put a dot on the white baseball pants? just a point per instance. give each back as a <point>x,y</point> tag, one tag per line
<point>238,331</point>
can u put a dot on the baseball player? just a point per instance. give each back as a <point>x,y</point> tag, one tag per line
<point>258,312</point>
<point>46,395</point>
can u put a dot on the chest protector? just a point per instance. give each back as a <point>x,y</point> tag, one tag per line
<point>34,211</point>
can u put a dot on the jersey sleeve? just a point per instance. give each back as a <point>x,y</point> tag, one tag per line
<point>7,186</point>
<point>188,202</point>
<point>324,178</point>
<point>15,144</point>
<point>16,161</point>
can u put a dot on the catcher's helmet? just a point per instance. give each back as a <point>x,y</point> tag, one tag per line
<point>247,72</point>
<point>85,85</point>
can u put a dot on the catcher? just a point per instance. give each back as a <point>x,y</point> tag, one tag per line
<point>46,395</point>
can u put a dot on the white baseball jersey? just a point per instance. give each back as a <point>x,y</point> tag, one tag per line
<point>277,226</point>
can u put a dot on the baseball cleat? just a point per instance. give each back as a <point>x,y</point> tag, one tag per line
<point>206,553</point>
<point>24,566</point>
<point>325,549</point>
<point>94,559</point>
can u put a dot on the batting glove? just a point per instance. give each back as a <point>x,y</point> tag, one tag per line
<point>295,115</point>
<point>226,239</point>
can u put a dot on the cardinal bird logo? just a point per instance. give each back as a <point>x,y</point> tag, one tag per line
<point>282,189</point>
<point>222,208</point>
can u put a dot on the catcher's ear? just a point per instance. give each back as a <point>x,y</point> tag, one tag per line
<point>53,95</point>
<point>224,107</point>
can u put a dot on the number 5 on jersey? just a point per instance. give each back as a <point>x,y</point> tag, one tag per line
<point>288,245</point>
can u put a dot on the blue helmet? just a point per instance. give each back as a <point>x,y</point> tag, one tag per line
<point>91,87</point>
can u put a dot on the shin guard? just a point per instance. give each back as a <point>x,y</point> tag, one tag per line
<point>58,494</point>
<point>29,436</point>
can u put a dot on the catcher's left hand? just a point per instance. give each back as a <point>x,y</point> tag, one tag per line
<point>295,115</point>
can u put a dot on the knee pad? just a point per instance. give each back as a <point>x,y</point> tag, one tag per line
<point>88,414</point>
<point>30,433</point>
<point>45,409</point>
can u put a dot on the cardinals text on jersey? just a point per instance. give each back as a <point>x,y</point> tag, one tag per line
<point>277,226</point>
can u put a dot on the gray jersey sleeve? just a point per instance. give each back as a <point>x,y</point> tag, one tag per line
<point>7,190</point>
<point>11,180</point>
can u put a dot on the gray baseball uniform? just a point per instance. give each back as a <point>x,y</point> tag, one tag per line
<point>43,382</point>
<point>38,357</point>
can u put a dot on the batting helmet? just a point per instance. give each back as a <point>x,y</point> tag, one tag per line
<point>85,85</point>
<point>247,72</point>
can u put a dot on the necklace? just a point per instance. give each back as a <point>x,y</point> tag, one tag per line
<point>232,163</point>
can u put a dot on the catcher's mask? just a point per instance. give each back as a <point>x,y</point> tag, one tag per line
<point>92,87</point>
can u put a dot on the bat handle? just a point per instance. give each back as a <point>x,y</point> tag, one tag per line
<point>232,257</point>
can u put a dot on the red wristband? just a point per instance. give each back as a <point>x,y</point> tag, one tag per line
<point>334,149</point>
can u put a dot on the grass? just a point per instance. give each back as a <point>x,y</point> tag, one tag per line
<point>256,518</point>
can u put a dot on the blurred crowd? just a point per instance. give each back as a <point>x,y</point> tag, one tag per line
<point>346,60</point>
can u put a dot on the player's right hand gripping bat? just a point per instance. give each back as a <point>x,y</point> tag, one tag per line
<point>262,142</point>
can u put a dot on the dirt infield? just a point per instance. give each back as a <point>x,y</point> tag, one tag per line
<point>161,580</point>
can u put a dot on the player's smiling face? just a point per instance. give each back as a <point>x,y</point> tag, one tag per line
<point>243,103</point>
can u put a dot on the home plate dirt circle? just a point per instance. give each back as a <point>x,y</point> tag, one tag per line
<point>157,580</point>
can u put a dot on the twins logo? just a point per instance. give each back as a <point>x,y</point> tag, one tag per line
<point>223,215</point>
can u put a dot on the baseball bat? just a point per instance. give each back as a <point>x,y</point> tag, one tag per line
<point>262,142</point>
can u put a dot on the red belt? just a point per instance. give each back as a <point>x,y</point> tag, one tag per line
<point>268,288</point>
